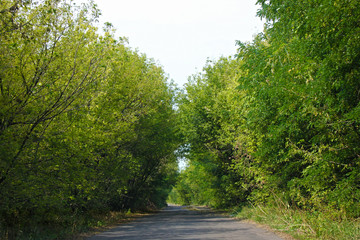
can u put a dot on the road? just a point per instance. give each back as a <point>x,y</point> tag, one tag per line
<point>175,223</point>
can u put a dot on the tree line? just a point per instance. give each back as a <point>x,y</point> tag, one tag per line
<point>280,119</point>
<point>89,125</point>
<point>86,123</point>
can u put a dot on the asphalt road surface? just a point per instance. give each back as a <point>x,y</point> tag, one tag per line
<point>176,222</point>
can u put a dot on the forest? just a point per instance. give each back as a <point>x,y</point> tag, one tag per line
<point>86,123</point>
<point>277,126</point>
<point>90,126</point>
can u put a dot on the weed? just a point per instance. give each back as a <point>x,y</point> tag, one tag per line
<point>302,224</point>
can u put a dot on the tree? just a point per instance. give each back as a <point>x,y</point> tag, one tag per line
<point>212,116</point>
<point>49,56</point>
<point>290,128</point>
<point>303,79</point>
<point>86,123</point>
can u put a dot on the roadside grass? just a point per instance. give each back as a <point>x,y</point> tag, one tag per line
<point>301,224</point>
<point>69,227</point>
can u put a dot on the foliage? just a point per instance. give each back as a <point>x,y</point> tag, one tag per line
<point>291,127</point>
<point>89,125</point>
<point>299,223</point>
<point>86,123</point>
<point>211,114</point>
<point>303,75</point>
<point>195,185</point>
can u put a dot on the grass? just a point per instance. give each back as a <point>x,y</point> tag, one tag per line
<point>74,227</point>
<point>302,224</point>
<point>298,223</point>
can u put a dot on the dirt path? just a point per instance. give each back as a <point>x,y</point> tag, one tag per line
<point>180,223</point>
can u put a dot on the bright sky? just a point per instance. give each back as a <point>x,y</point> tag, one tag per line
<point>181,35</point>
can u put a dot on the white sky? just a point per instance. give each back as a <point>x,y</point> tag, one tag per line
<point>181,35</point>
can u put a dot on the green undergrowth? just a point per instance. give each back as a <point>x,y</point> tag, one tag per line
<point>302,224</point>
<point>69,227</point>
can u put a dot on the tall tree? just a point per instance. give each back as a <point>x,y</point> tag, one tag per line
<point>86,123</point>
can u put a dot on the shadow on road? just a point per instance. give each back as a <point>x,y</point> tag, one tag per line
<point>176,222</point>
